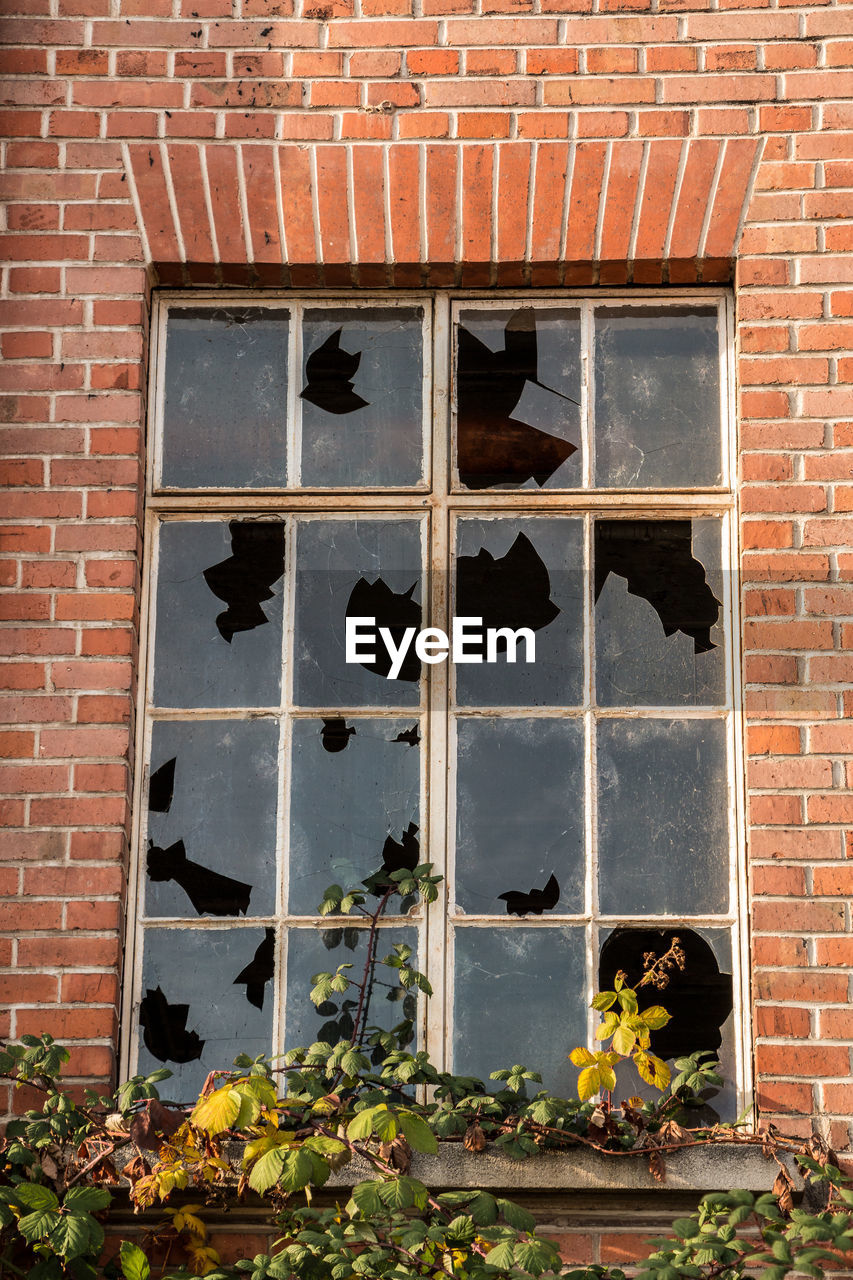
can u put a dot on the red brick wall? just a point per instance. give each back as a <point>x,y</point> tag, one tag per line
<point>720,139</point>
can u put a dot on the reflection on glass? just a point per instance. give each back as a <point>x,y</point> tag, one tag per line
<point>212,842</point>
<point>517,398</point>
<point>219,614</point>
<point>519,998</point>
<point>657,397</point>
<point>195,1015</point>
<point>362,397</point>
<point>662,817</point>
<point>517,573</point>
<point>225,415</point>
<point>311,951</point>
<point>358,568</point>
<point>658,614</point>
<point>353,784</point>
<point>519,816</point>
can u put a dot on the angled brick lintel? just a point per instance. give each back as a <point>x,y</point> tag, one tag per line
<point>412,214</point>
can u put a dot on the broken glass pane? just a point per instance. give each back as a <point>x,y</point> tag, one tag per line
<point>195,1015</point>
<point>212,852</point>
<point>353,784</point>
<point>357,568</point>
<point>219,614</point>
<point>519,998</point>
<point>225,414</point>
<point>657,397</point>
<point>699,998</point>
<point>662,817</point>
<point>362,397</point>
<point>519,816</point>
<point>311,951</point>
<point>517,398</point>
<point>522,572</point>
<point>658,613</point>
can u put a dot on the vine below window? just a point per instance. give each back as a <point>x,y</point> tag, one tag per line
<point>280,1128</point>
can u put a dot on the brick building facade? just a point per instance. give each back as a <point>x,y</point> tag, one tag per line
<point>421,144</point>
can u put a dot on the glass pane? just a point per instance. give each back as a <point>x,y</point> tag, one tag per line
<point>354,803</point>
<point>225,415</point>
<point>519,997</point>
<point>219,614</point>
<point>207,995</point>
<point>518,390</point>
<point>658,613</point>
<point>663,841</point>
<point>519,816</point>
<point>311,951</point>
<point>356,568</point>
<point>522,573</point>
<point>657,397</point>
<point>699,998</point>
<point>362,396</point>
<point>212,818</point>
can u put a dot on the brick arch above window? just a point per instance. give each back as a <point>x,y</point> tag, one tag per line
<point>411,214</point>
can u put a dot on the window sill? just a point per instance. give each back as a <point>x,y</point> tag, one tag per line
<point>714,1167</point>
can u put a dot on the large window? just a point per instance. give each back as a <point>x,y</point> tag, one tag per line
<point>556,464</point>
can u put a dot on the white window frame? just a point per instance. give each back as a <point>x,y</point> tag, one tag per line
<point>437,501</point>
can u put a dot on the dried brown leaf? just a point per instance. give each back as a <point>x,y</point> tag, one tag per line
<point>142,1130</point>
<point>782,1189</point>
<point>475,1139</point>
<point>166,1119</point>
<point>398,1153</point>
<point>657,1166</point>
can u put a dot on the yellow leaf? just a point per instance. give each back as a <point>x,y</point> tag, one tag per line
<point>219,1111</point>
<point>624,1040</point>
<point>608,1077</point>
<point>656,1017</point>
<point>582,1057</point>
<point>589,1082</point>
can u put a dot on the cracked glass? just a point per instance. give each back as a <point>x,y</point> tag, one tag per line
<point>362,397</point>
<point>657,397</point>
<point>355,568</point>
<point>519,816</point>
<point>201,662</point>
<point>355,784</point>
<point>225,398</point>
<point>212,849</point>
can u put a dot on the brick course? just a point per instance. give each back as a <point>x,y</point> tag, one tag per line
<point>616,141</point>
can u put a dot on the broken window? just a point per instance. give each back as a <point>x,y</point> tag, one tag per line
<point>414,462</point>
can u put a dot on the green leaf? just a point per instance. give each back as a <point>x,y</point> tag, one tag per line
<point>536,1256</point>
<point>417,1132</point>
<point>76,1234</point>
<point>297,1171</point>
<point>267,1170</point>
<point>483,1209</point>
<point>503,1255</point>
<point>87,1199</point>
<point>32,1195</point>
<point>516,1216</point>
<point>366,1198</point>
<point>604,1001</point>
<point>36,1225</point>
<point>134,1264</point>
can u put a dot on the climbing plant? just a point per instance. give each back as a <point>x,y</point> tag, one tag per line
<point>280,1128</point>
